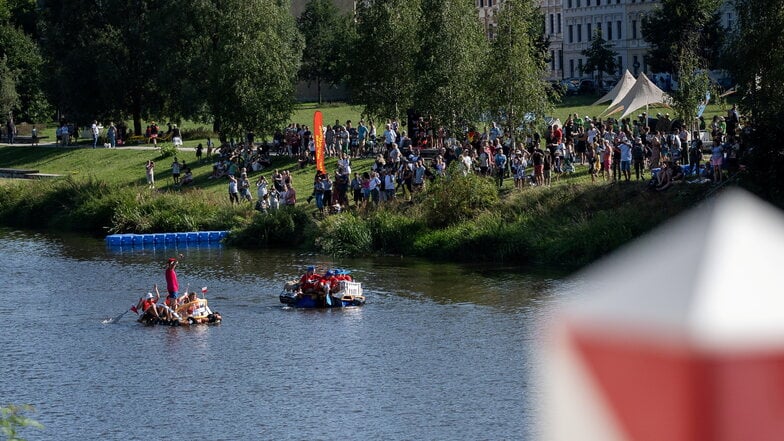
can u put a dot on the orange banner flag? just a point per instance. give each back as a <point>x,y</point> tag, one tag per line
<point>318,141</point>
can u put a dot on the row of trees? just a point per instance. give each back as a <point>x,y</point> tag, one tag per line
<point>235,63</point>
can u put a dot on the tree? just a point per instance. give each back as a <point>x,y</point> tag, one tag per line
<point>600,57</point>
<point>679,22</point>
<point>693,85</point>
<point>449,63</point>
<point>103,61</point>
<point>22,75</point>
<point>8,96</point>
<point>382,75</point>
<point>757,49</point>
<point>514,85</point>
<point>324,30</point>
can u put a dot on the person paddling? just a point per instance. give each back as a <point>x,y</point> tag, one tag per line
<point>147,306</point>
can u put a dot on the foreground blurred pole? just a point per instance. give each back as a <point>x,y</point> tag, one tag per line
<point>645,349</point>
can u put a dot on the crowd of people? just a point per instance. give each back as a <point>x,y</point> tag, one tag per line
<point>654,149</point>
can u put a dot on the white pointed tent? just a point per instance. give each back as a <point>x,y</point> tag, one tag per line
<point>644,93</point>
<point>619,91</point>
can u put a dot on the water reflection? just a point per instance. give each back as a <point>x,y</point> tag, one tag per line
<point>439,352</point>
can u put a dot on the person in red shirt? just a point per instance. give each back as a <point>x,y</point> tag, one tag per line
<point>309,280</point>
<point>172,286</point>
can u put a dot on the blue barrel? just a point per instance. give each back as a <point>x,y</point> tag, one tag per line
<point>181,237</point>
<point>148,238</point>
<point>214,236</point>
<point>137,239</point>
<point>159,238</point>
<point>204,236</point>
<point>171,237</point>
<point>193,237</point>
<point>223,234</point>
<point>127,239</point>
<point>114,239</point>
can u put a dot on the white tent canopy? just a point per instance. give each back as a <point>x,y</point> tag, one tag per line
<point>619,91</point>
<point>642,94</point>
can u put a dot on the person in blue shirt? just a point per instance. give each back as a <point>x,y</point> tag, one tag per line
<point>500,165</point>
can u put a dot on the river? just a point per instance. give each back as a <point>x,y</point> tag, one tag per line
<point>439,352</point>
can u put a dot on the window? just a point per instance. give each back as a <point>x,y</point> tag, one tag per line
<point>634,29</point>
<point>578,3</point>
<point>579,33</point>
<point>559,23</point>
<point>580,66</point>
<point>571,35</point>
<point>620,65</point>
<point>636,65</point>
<point>552,60</point>
<point>588,32</point>
<point>560,59</point>
<point>569,4</point>
<point>588,2</point>
<point>618,28</point>
<point>571,68</point>
<point>609,31</point>
<point>552,24</point>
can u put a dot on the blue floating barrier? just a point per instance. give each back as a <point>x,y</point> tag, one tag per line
<point>181,237</point>
<point>204,236</point>
<point>159,238</point>
<point>148,238</point>
<point>137,239</point>
<point>114,239</point>
<point>214,235</point>
<point>171,237</point>
<point>193,237</point>
<point>223,234</point>
<point>127,239</point>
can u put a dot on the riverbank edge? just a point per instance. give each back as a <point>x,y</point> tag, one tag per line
<point>566,226</point>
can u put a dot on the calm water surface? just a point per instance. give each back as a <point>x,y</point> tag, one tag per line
<point>440,351</point>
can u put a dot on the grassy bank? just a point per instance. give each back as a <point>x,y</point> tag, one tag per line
<point>466,219</point>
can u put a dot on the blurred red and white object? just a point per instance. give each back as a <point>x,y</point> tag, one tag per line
<point>678,336</point>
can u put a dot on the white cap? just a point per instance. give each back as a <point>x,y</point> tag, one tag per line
<point>149,295</point>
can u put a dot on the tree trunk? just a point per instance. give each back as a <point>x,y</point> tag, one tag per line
<point>137,114</point>
<point>318,89</point>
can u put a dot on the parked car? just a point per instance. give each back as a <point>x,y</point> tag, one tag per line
<point>571,86</point>
<point>586,87</point>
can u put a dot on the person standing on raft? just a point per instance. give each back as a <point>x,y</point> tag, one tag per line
<point>172,286</point>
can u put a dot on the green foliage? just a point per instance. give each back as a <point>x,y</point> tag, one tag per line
<point>8,96</point>
<point>168,150</point>
<point>344,234</point>
<point>21,71</point>
<point>515,85</point>
<point>325,32</point>
<point>456,197</point>
<point>12,419</point>
<point>676,23</point>
<point>452,54</point>
<point>600,56</point>
<point>393,231</point>
<point>756,55</point>
<point>286,227</point>
<point>382,72</point>
<point>693,84</point>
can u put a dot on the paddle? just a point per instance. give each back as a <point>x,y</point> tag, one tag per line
<point>117,319</point>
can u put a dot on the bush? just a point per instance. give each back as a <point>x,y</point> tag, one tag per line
<point>454,197</point>
<point>344,234</point>
<point>168,149</point>
<point>288,226</point>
